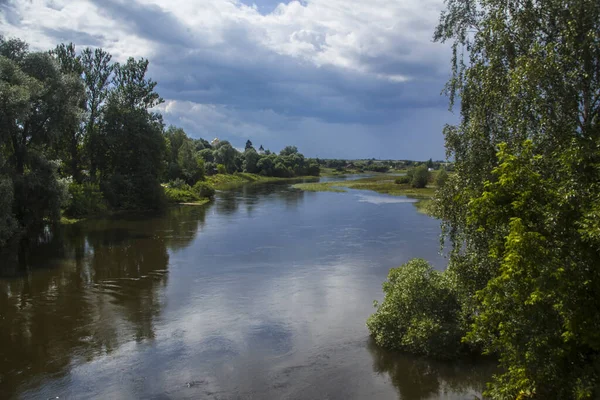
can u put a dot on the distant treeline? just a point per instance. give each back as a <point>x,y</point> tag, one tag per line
<point>380,165</point>
<point>80,135</point>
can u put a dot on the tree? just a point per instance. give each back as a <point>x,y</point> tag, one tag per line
<point>430,163</point>
<point>97,71</point>
<point>251,159</point>
<point>225,154</point>
<point>419,313</point>
<point>441,178</point>
<point>134,138</point>
<point>190,164</point>
<point>71,140</point>
<point>420,177</point>
<point>522,208</point>
<point>39,104</point>
<point>249,145</point>
<point>288,150</point>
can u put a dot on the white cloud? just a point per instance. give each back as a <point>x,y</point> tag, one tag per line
<point>342,33</point>
<point>352,72</point>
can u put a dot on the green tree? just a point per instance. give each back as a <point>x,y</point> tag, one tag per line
<point>97,72</point>
<point>133,133</point>
<point>441,178</point>
<point>70,143</point>
<point>420,177</point>
<point>225,154</point>
<point>419,313</point>
<point>251,159</point>
<point>522,207</point>
<point>39,104</point>
<point>288,150</point>
<point>190,163</point>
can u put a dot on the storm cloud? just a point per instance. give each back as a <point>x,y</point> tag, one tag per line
<point>337,78</point>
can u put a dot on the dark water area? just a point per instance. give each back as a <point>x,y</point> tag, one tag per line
<point>262,294</point>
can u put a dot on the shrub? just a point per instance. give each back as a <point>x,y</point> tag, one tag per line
<point>419,313</point>
<point>221,169</point>
<point>204,190</point>
<point>85,199</point>
<point>403,180</point>
<point>178,184</point>
<point>420,177</point>
<point>180,195</point>
<point>441,178</point>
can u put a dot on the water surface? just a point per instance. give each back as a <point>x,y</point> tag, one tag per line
<point>262,294</point>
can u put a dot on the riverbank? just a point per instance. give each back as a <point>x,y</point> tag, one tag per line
<point>383,183</point>
<point>231,181</point>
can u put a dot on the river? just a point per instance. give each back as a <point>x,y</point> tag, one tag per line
<point>262,294</point>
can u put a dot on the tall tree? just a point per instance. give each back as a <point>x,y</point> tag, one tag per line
<point>71,141</point>
<point>133,134</point>
<point>39,103</point>
<point>97,72</point>
<point>522,208</point>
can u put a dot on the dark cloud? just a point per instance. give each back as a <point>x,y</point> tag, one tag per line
<point>229,83</point>
<point>148,21</point>
<point>82,39</point>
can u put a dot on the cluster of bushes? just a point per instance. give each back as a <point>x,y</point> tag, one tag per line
<point>378,165</point>
<point>420,312</point>
<point>224,158</point>
<point>179,191</point>
<point>85,199</point>
<point>420,176</point>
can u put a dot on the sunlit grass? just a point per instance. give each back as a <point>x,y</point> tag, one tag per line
<point>317,187</point>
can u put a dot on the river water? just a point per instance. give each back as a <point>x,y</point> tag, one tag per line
<point>262,294</point>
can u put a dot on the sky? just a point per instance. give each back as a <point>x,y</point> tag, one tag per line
<point>336,78</point>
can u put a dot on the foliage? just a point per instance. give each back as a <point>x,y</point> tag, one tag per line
<point>420,177</point>
<point>221,169</point>
<point>8,222</point>
<point>251,159</point>
<point>85,199</point>
<point>40,105</point>
<point>135,144</point>
<point>204,190</point>
<point>181,195</point>
<point>403,180</point>
<point>419,312</point>
<point>521,209</point>
<point>441,178</point>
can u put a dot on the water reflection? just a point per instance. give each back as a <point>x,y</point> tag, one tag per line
<point>262,294</point>
<point>419,378</point>
<point>80,291</point>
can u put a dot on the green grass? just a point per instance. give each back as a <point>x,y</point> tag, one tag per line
<point>382,183</point>
<point>69,221</point>
<point>230,181</point>
<point>424,206</point>
<point>317,187</point>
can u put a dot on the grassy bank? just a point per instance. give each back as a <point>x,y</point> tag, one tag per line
<point>317,187</point>
<point>226,181</point>
<point>383,183</point>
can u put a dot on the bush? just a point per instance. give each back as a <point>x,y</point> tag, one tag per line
<point>419,313</point>
<point>403,180</point>
<point>85,199</point>
<point>182,195</point>
<point>221,169</point>
<point>420,177</point>
<point>441,178</point>
<point>204,190</point>
<point>178,184</point>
